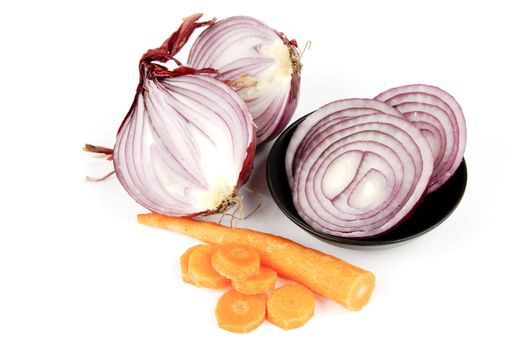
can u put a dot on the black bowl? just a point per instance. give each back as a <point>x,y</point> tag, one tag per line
<point>433,209</point>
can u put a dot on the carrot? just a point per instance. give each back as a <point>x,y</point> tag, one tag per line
<point>184,265</point>
<point>262,282</point>
<point>201,272</point>
<point>236,261</point>
<point>326,275</point>
<point>240,313</point>
<point>290,306</point>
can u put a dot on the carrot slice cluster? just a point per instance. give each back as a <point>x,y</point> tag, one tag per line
<point>243,308</point>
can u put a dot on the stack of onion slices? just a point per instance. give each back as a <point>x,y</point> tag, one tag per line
<point>359,167</point>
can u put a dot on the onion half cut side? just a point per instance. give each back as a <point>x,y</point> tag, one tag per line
<point>188,141</point>
<point>261,64</point>
<point>358,168</point>
<point>440,118</point>
<point>186,147</point>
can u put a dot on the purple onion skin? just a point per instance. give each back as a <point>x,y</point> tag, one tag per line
<point>247,166</point>
<point>291,106</point>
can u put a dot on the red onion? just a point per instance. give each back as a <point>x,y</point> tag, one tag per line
<point>339,109</point>
<point>440,118</point>
<point>260,63</point>
<point>358,168</point>
<point>187,143</point>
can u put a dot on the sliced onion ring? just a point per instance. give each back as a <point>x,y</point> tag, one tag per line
<point>439,116</point>
<point>359,176</point>
<point>339,110</point>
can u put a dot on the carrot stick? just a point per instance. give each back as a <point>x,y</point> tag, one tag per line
<point>240,313</point>
<point>236,261</point>
<point>326,275</point>
<point>290,306</point>
<point>200,270</point>
<point>262,282</point>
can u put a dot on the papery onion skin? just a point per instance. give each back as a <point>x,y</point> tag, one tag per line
<point>260,63</point>
<point>433,97</point>
<point>179,119</point>
<point>395,174</point>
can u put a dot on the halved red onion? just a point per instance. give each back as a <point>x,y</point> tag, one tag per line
<point>362,169</point>
<point>440,118</point>
<point>188,141</point>
<point>261,64</point>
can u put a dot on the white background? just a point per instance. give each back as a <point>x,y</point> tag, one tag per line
<point>78,272</point>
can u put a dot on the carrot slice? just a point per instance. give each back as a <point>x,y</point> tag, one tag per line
<point>262,282</point>
<point>240,313</point>
<point>200,270</point>
<point>236,261</point>
<point>326,275</point>
<point>184,265</point>
<point>290,306</point>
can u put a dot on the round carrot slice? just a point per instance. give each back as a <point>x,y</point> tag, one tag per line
<point>290,306</point>
<point>184,265</point>
<point>262,282</point>
<point>236,261</point>
<point>240,313</point>
<point>200,270</point>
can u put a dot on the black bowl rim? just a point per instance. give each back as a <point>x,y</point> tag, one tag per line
<point>380,240</point>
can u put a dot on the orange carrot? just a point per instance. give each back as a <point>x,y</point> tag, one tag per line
<point>184,266</point>
<point>326,275</point>
<point>290,306</point>
<point>236,261</point>
<point>200,270</point>
<point>240,313</point>
<point>262,282</point>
